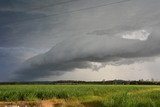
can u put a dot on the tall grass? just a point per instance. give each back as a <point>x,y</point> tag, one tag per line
<point>102,95</point>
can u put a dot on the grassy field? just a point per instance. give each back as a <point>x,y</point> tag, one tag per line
<point>86,95</point>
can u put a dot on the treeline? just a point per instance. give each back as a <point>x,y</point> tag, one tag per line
<point>110,82</point>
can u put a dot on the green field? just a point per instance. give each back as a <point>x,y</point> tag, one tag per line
<point>86,95</point>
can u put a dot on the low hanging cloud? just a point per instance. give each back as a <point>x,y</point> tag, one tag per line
<point>79,52</point>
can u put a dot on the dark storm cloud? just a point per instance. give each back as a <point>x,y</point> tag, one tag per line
<point>82,37</point>
<point>79,52</point>
<point>25,23</point>
<point>18,32</point>
<point>96,36</point>
<point>11,58</point>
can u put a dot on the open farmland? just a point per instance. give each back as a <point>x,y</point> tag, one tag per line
<point>82,95</point>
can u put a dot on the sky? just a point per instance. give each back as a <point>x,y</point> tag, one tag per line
<point>48,40</point>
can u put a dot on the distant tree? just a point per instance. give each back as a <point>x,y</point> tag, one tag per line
<point>103,80</point>
<point>147,79</point>
<point>141,79</point>
<point>152,79</point>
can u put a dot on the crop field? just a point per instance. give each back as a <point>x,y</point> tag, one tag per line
<point>82,95</point>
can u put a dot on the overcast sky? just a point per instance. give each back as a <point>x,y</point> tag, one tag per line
<point>79,39</point>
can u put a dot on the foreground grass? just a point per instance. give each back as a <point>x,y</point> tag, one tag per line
<point>87,95</point>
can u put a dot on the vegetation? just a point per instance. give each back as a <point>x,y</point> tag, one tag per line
<point>93,95</point>
<point>110,82</point>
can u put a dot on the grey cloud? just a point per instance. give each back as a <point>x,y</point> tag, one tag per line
<point>78,52</point>
<point>89,36</point>
<point>12,57</point>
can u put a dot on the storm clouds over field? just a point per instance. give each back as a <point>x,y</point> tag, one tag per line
<point>71,39</point>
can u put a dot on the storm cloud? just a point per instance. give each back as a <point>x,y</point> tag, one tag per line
<point>80,34</point>
<point>79,52</point>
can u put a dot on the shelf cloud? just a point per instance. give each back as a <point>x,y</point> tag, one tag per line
<point>77,34</point>
<point>79,52</point>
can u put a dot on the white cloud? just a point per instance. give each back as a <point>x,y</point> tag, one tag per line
<point>140,35</point>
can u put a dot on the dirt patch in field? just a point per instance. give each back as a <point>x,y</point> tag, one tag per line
<point>46,103</point>
<point>20,104</point>
<point>43,103</point>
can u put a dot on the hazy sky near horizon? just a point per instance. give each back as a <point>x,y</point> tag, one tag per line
<point>79,39</point>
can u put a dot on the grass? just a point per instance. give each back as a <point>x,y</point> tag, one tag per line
<point>87,95</point>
